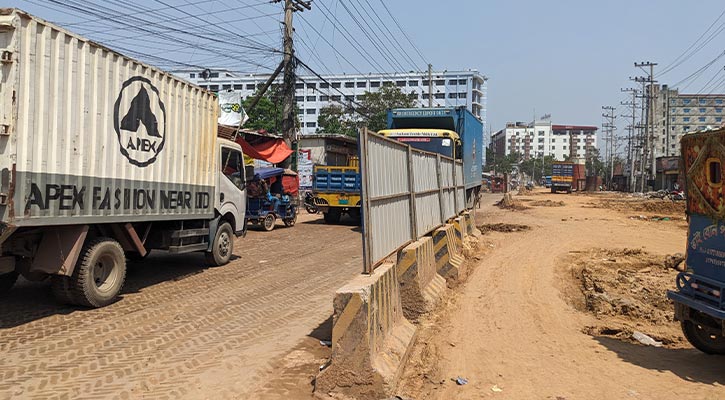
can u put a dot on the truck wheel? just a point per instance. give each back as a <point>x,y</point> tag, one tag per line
<point>553,190</point>
<point>7,281</point>
<point>356,215</point>
<point>98,275</point>
<point>269,221</point>
<point>223,246</point>
<point>707,341</point>
<point>332,216</point>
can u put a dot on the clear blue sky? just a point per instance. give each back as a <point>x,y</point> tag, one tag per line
<point>566,58</point>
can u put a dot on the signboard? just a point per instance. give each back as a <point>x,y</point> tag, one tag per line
<point>231,112</point>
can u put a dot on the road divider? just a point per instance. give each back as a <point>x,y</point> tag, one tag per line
<point>421,286</point>
<point>448,254</point>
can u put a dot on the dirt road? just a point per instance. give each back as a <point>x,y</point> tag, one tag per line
<point>514,333</point>
<point>185,331</point>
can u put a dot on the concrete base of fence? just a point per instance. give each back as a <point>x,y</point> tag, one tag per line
<point>448,253</point>
<point>371,339</point>
<point>470,222</point>
<point>421,287</point>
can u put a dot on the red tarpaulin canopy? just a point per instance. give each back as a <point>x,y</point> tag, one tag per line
<point>272,150</point>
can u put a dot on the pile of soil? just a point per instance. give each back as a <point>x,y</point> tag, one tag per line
<point>625,289</point>
<point>660,206</point>
<point>502,228</point>
<point>548,203</point>
<point>509,203</point>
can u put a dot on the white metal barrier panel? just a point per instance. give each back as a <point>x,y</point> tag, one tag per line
<point>406,194</point>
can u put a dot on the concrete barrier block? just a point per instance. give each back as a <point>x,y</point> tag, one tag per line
<point>470,222</point>
<point>421,287</point>
<point>459,226</point>
<point>448,253</point>
<point>371,338</point>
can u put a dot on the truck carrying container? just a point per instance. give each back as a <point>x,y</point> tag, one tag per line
<point>102,156</point>
<point>452,132</point>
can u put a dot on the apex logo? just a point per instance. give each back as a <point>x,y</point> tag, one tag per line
<point>139,118</point>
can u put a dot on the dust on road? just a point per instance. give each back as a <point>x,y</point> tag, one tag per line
<point>515,331</point>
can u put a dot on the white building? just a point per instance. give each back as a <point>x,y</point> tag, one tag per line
<point>542,138</point>
<point>450,88</point>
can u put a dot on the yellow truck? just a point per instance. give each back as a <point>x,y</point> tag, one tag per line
<point>337,191</point>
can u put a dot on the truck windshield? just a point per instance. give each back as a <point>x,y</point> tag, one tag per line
<point>443,146</point>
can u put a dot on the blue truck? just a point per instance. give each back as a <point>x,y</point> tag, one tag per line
<point>700,296</point>
<point>452,131</point>
<point>562,176</point>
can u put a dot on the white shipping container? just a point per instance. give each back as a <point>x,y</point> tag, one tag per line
<point>88,135</point>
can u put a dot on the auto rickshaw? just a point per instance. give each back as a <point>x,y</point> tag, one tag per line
<point>272,194</point>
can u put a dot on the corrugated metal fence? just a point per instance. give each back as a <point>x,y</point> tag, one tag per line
<point>406,194</point>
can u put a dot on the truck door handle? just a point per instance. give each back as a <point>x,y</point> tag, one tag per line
<point>221,197</point>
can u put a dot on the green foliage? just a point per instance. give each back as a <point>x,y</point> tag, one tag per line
<point>534,165</point>
<point>372,109</point>
<point>267,114</point>
<point>333,119</point>
<point>500,164</point>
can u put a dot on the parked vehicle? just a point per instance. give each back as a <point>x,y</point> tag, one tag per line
<point>337,191</point>
<point>271,195</point>
<point>562,176</point>
<point>700,296</point>
<point>452,132</point>
<point>104,157</point>
<point>309,202</point>
<point>547,182</point>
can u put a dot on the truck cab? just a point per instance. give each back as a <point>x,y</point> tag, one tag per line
<point>700,296</point>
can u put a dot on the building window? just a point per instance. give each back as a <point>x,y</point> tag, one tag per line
<point>686,128</point>
<point>412,83</point>
<point>440,82</point>
<point>451,95</point>
<point>702,110</point>
<point>718,119</point>
<point>703,102</point>
<point>439,96</point>
<point>299,85</point>
<point>362,84</point>
<point>299,98</point>
<point>718,110</point>
<point>335,85</point>
<point>311,124</point>
<point>462,95</point>
<point>311,98</point>
<point>686,119</point>
<point>553,147</point>
<point>311,85</point>
<point>300,111</point>
<point>324,98</point>
<point>374,84</point>
<point>462,81</point>
<point>238,87</point>
<point>336,98</point>
<point>214,75</point>
<point>400,83</point>
<point>349,97</point>
<point>553,140</point>
<point>452,81</point>
<point>673,102</point>
<point>203,86</point>
<point>701,128</point>
<point>250,86</point>
<point>226,87</point>
<point>311,111</point>
<point>685,101</point>
<point>213,88</point>
<point>673,119</point>
<point>686,110</point>
<point>388,83</point>
<point>192,75</point>
<point>541,140</point>
<point>718,101</point>
<point>426,95</point>
<point>563,147</point>
<point>701,119</point>
<point>324,85</point>
<point>349,84</point>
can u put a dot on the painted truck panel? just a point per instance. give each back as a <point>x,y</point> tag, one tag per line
<point>562,174</point>
<point>89,134</point>
<point>460,120</point>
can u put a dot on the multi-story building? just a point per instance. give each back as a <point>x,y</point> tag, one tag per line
<point>678,113</point>
<point>542,138</point>
<point>448,89</point>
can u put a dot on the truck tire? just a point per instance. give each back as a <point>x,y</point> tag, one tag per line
<point>223,246</point>
<point>332,216</point>
<point>701,339</point>
<point>553,190</point>
<point>98,276</point>
<point>7,281</point>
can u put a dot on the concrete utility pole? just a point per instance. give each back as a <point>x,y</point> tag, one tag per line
<point>643,141</point>
<point>430,85</point>
<point>289,80</point>
<point>609,125</point>
<point>651,113</point>
<point>631,135</point>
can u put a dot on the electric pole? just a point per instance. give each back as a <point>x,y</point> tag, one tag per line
<point>609,125</point>
<point>288,86</point>
<point>651,113</point>
<point>631,135</point>
<point>430,86</point>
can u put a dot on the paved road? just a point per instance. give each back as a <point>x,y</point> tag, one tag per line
<point>181,330</point>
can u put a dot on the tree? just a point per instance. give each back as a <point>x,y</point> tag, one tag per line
<point>375,105</point>
<point>333,119</point>
<point>267,114</point>
<point>502,165</point>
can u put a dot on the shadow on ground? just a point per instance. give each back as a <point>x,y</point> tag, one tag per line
<point>689,364</point>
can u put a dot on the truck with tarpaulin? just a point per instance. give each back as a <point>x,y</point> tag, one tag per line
<point>104,158</point>
<point>451,131</point>
<point>700,296</point>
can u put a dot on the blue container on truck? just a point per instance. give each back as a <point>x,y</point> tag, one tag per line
<point>435,121</point>
<point>699,300</point>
